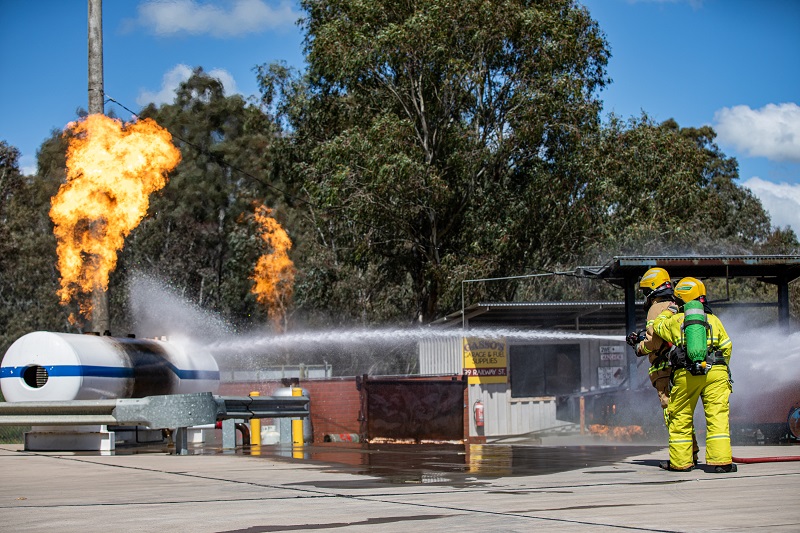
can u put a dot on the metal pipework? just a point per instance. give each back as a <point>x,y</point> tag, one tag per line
<point>155,412</point>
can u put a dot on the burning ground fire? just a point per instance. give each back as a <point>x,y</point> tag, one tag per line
<point>274,272</point>
<point>112,168</point>
<point>617,433</point>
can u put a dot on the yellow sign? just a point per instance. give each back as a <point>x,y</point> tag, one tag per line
<point>485,360</point>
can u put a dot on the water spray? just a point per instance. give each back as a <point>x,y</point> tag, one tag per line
<point>386,336</point>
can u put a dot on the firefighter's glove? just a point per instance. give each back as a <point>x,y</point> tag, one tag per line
<point>633,338</point>
<point>672,308</point>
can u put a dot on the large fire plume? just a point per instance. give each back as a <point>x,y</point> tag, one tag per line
<point>112,168</point>
<point>274,271</point>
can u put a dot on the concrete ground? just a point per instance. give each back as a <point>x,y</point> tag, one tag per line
<point>601,490</point>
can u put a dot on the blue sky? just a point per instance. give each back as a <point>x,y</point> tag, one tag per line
<point>732,64</point>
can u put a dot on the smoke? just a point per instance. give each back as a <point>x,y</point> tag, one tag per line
<point>762,356</point>
<point>765,368</point>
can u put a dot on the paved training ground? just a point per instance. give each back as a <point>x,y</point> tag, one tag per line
<point>68,492</point>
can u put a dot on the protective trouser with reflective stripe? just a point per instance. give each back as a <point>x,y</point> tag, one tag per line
<point>660,375</point>
<point>714,388</point>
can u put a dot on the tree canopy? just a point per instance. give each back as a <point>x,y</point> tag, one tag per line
<point>432,127</point>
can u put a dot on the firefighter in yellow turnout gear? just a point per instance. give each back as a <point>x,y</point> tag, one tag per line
<point>709,380</point>
<point>657,289</point>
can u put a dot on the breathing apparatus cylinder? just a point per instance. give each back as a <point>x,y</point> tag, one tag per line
<point>695,331</point>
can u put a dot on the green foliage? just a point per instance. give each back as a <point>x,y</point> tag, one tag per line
<point>198,234</point>
<point>29,279</point>
<point>428,129</point>
<point>660,189</point>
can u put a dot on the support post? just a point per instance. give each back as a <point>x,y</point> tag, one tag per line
<point>255,426</point>
<point>100,316</point>
<point>783,305</point>
<point>630,325</point>
<point>297,429</point>
<point>181,441</point>
<point>229,434</point>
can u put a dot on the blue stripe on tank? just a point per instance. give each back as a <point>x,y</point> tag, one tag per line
<point>61,371</point>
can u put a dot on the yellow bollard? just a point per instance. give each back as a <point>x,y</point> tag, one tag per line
<point>297,429</point>
<point>255,426</point>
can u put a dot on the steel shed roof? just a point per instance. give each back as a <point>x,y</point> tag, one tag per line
<point>623,271</point>
<point>542,315</point>
<point>767,268</point>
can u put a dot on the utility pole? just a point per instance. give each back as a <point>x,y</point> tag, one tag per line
<point>100,321</point>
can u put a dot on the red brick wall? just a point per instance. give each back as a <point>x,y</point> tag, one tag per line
<point>335,407</point>
<point>335,403</point>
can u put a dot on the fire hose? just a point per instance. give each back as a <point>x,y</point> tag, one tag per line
<point>776,459</point>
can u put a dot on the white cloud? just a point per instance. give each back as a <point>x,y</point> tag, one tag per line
<point>772,131</point>
<point>173,78</point>
<point>27,165</point>
<point>781,200</point>
<point>173,17</point>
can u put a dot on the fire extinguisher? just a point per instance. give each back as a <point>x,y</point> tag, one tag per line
<point>478,408</point>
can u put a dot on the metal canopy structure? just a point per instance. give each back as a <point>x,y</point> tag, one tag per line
<point>767,268</point>
<point>625,271</point>
<point>577,316</point>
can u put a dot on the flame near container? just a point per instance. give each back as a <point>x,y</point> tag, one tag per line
<point>47,366</point>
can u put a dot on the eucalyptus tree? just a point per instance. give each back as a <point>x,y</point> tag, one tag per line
<point>28,274</point>
<point>660,189</point>
<point>433,138</point>
<point>199,234</point>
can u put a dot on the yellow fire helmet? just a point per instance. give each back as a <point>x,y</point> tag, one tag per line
<point>688,289</point>
<point>653,279</point>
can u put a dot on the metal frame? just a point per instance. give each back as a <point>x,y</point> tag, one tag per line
<point>174,411</point>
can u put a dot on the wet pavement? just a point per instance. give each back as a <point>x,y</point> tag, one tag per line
<point>449,463</point>
<point>453,464</point>
<point>388,487</point>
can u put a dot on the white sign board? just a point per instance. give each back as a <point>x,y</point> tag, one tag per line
<point>610,376</point>
<point>612,353</point>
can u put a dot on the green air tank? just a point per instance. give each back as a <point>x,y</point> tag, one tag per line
<point>694,331</point>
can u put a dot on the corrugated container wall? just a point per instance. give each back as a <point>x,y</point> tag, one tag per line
<point>440,356</point>
<point>602,365</point>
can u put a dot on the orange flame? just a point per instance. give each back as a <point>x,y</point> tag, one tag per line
<point>112,168</point>
<point>274,272</point>
<point>618,433</point>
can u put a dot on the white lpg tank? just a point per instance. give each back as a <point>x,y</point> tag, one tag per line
<point>45,366</point>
